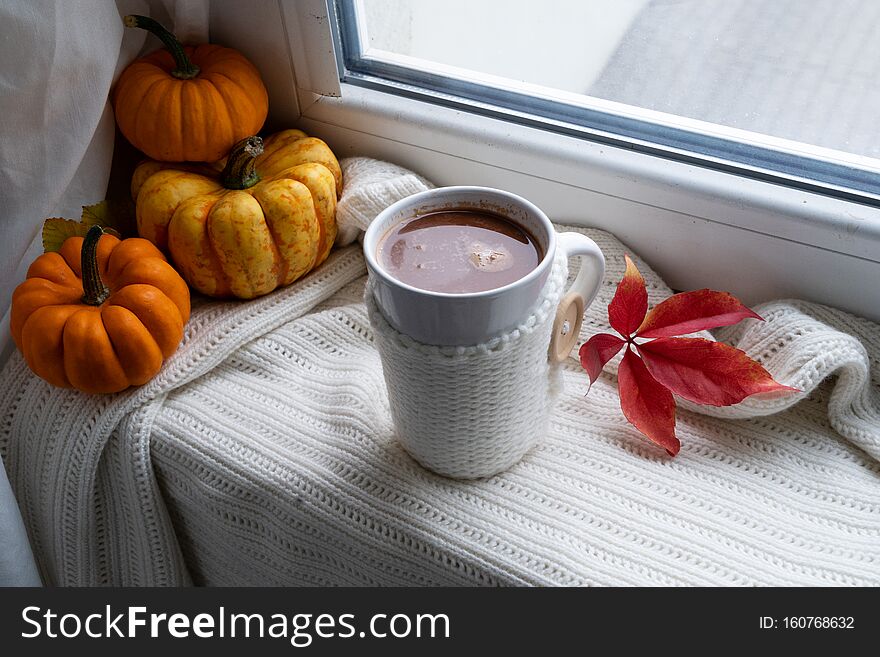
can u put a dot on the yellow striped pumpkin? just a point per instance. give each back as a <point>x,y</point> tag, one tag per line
<point>242,227</point>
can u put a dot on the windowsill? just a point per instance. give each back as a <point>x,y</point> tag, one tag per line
<point>697,227</point>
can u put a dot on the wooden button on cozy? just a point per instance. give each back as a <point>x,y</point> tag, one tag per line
<point>566,326</point>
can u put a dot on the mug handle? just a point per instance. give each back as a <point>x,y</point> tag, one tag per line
<point>570,313</point>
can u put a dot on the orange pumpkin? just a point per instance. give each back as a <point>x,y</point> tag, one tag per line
<point>188,103</point>
<point>76,332</point>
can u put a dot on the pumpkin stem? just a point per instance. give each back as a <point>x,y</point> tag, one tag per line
<point>94,291</point>
<point>239,172</point>
<point>185,69</point>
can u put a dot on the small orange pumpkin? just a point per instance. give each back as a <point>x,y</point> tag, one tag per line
<point>188,103</point>
<point>75,332</point>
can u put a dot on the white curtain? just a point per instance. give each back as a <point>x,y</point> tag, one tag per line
<point>58,61</point>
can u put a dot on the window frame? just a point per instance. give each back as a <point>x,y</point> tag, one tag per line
<point>696,224</point>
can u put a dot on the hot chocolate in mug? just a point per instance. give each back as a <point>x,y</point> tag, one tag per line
<point>442,318</point>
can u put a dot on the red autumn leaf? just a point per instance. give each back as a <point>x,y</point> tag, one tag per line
<point>702,371</point>
<point>648,405</point>
<point>689,312</point>
<point>630,303</point>
<point>706,372</point>
<point>597,351</point>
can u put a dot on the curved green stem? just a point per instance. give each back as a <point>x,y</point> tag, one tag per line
<point>239,172</point>
<point>94,291</point>
<point>184,68</point>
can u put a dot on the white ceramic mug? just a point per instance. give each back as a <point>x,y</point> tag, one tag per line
<point>440,318</point>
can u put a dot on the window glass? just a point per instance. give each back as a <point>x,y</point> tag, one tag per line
<point>785,85</point>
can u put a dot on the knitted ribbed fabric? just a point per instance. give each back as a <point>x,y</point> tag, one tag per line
<point>469,412</point>
<point>263,453</point>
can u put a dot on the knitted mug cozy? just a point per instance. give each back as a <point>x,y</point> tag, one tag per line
<point>473,411</point>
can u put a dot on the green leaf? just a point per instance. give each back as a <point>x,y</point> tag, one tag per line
<point>115,217</point>
<point>112,213</point>
<point>56,230</point>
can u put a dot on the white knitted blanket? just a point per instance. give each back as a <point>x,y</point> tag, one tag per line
<point>263,454</point>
